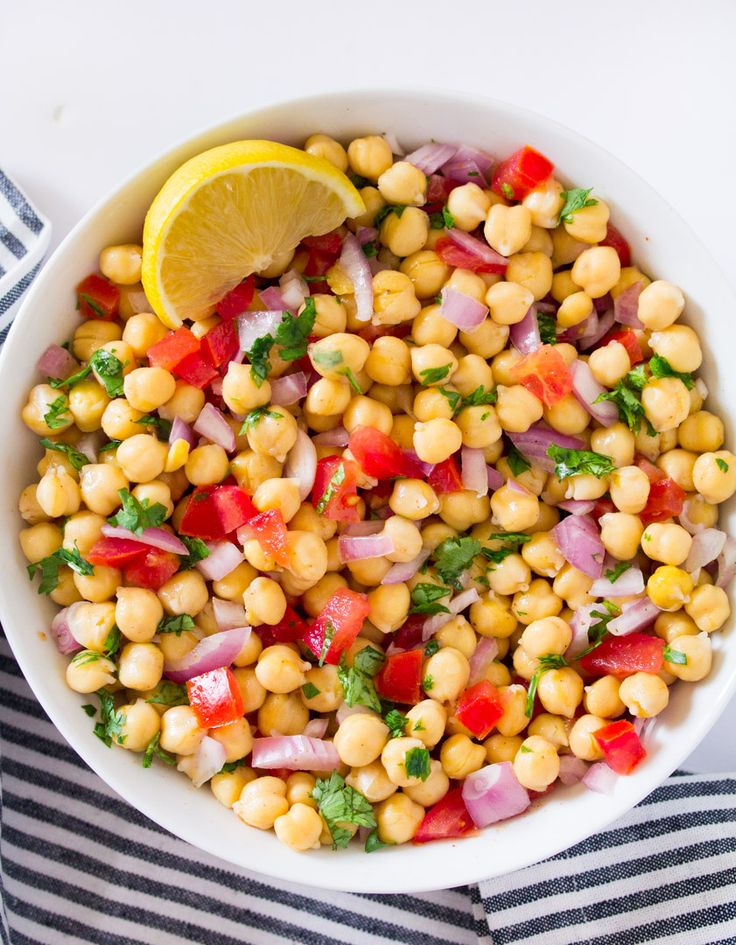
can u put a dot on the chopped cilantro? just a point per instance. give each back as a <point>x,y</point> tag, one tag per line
<point>161,427</point>
<point>111,722</point>
<point>661,367</point>
<point>453,398</point>
<point>54,417</point>
<point>49,568</point>
<point>447,218</point>
<point>153,748</point>
<point>336,480</point>
<point>137,515</point>
<point>76,458</point>
<point>453,556</point>
<point>436,221</point>
<point>294,331</point>
<point>722,464</point>
<point>480,397</point>
<point>507,190</point>
<point>372,842</point>
<point>357,181</point>
<point>512,538</point>
<point>255,416</point>
<point>416,762</point>
<point>627,397</point>
<point>425,597</point>
<point>353,381</point>
<point>396,722</point>
<point>309,690</point>
<point>326,359</point>
<point>551,661</point>
<point>93,304</point>
<point>613,574</point>
<point>547,328</point>
<point>579,462</point>
<point>398,209</point>
<point>231,766</point>
<point>524,750</point>
<point>90,710</point>
<point>109,371</point>
<point>369,661</point>
<point>675,656</point>
<point>431,647</point>
<point>598,631</point>
<point>427,683</point>
<point>110,445</point>
<point>258,355</point>
<point>112,643</point>
<point>330,632</point>
<point>575,199</point>
<point>497,556</point>
<point>339,803</point>
<point>435,374</point>
<point>176,625</point>
<point>197,550</point>
<point>357,680</point>
<point>370,249</point>
<point>168,693</point>
<point>518,464</point>
<point>57,382</point>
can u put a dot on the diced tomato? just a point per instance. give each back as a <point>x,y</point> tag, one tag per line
<point>545,374</point>
<point>116,552</point>
<point>615,239</point>
<point>335,491</point>
<point>438,190</point>
<point>623,656</point>
<point>220,344</point>
<point>323,252</point>
<point>524,170</point>
<point>446,819</point>
<point>196,370</point>
<point>237,300</point>
<point>400,678</point>
<point>409,633</point>
<point>665,501</point>
<point>271,533</point>
<point>171,350</point>
<point>445,477</point>
<point>215,511</point>
<point>629,340</point>
<point>454,255</point>
<point>602,507</point>
<point>215,698</point>
<point>97,297</point>
<point>379,456</point>
<point>479,708</point>
<point>337,625</point>
<point>152,570</point>
<point>621,746</point>
<point>330,243</point>
<point>289,629</point>
<point>371,332</point>
<point>654,473</point>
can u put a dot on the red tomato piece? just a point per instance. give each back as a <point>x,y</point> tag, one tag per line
<point>152,570</point>
<point>446,819</point>
<point>220,344</point>
<point>323,252</point>
<point>409,633</point>
<point>454,255</point>
<point>524,170</point>
<point>653,472</point>
<point>378,455</point>
<point>479,708</point>
<point>629,340</point>
<point>196,370</point>
<point>171,350</point>
<point>116,552</point>
<point>545,374</point>
<point>372,332</point>
<point>271,533</point>
<point>621,746</point>
<point>445,477</point>
<point>335,491</point>
<point>602,507</point>
<point>289,629</point>
<point>237,300</point>
<point>215,511</point>
<point>400,678</point>
<point>665,501</point>
<point>215,698</point>
<point>97,297</point>
<point>615,239</point>
<point>337,625</point>
<point>623,656</point>
<point>438,190</point>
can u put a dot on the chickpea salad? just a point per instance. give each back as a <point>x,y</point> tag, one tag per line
<point>411,524</point>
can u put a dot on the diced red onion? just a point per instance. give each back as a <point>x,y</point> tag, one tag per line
<point>605,323</point>
<point>469,166</point>
<point>584,329</point>
<point>405,570</point>
<point>687,523</point>
<point>474,471</point>
<point>726,563</point>
<point>63,638</point>
<point>212,425</point>
<point>206,761</point>
<point>355,266</point>
<point>493,793</point>
<point>495,478</point>
<point>430,157</point>
<point>432,624</point>
<point>364,546</point>
<point>701,387</point>
<point>213,652</point>
<point>515,486</point>
<point>366,234</point>
<point>477,248</point>
<point>272,297</point>
<point>345,710</point>
<point>255,325</point>
<point>484,654</point>
<point>368,527</point>
<point>524,335</point>
<point>535,442</point>
<point>547,307</point>
<point>626,306</point>
<point>316,728</point>
<point>628,583</point>
<point>289,389</point>
<point>636,615</point>
<point>377,265</point>
<point>224,557</point>
<point>89,444</point>
<point>644,728</point>
<point>182,431</point>
<point>578,539</point>
<point>294,289</point>
<point>294,752</point>
<point>424,468</point>
<point>464,312</point>
<point>393,142</point>
<point>706,547</point>
<point>56,362</point>
<point>586,388</point>
<point>581,622</point>
<point>603,303</point>
<point>216,384</point>
<point>245,533</point>
<point>228,614</point>
<point>572,769</point>
<point>154,537</point>
<point>338,436</point>
<point>463,600</point>
<point>301,463</point>
<point>600,778</point>
<point>577,506</point>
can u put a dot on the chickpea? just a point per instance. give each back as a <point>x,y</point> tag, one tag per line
<point>567,416</point>
<point>91,625</point>
<point>141,331</point>
<point>141,722</point>
<point>487,340</point>
<point>186,402</point>
<point>536,764</point>
<point>582,742</point>
<point>701,432</point>
<point>621,534</point>
<point>87,403</point>
<point>407,233</point>
<point>510,576</point>
<point>99,586</point>
<point>542,554</point>
<point>431,790</point>
<point>393,758</point>
<point>240,391</point>
<point>427,274</point>
<point>227,786</point>
<point>299,787</point>
<point>120,421</point>
<point>413,499</point>
<point>137,613</point>
<point>93,334</point>
<point>273,434</point>
<point>714,476</point>
<point>394,298</point>
<point>84,675</point>
<point>299,828</point>
<point>597,270</point>
<point>531,270</point>
<point>280,669</point>
<point>369,156</point>
<point>666,542</point>
<point>236,739</point>
<point>31,512</point>
<point>430,404</point>
<point>517,408</point>
<point>660,305</point>
<point>629,489</point>
<point>141,457</point>
<point>679,344</point>
<point>316,597</point>
<point>668,626</point>
<point>609,363</point>
<point>281,494</point>
<point>669,587</point>
<point>698,657</point>
<point>282,714</point>
<point>514,719</point>
<point>141,666</point>
<point>47,405</point>
<point>324,146</point>
<point>666,403</point>
<point>184,593</point>
<point>514,508</point>
<point>544,203</point>
<point>328,397</point>
<point>251,469</point>
<point>121,264</point>
<point>146,388</point>
<point>372,782</point>
<point>446,674</point>
<point>389,606</point>
<point>58,493</point>
<point>501,748</point>
<point>366,412</point>
<point>389,361</point>
<point>550,635</point>
<point>479,426</point>
<point>100,485</point>
<point>560,691</point>
<point>552,727</point>
<point>251,691</point>
<point>262,802</point>
<point>574,308</point>
<point>332,357</point>
<point>458,634</point>
<point>507,229</point>
<point>398,818</point>
<point>573,586</point>
<point>308,555</point>
<point>361,738</point>
<point>180,730</point>
<point>708,607</point>
<point>602,698</point>
<point>472,372</point>
<point>589,224</point>
<point>264,602</point>
<point>460,756</point>
<point>644,694</point>
<point>426,721</point>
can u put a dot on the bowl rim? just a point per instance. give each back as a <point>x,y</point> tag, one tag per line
<point>466,869</point>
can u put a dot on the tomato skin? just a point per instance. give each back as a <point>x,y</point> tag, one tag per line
<point>220,344</point>
<point>215,698</point>
<point>621,746</point>
<point>615,238</point>
<point>222,509</point>
<point>152,570</point>
<point>445,477</point>
<point>602,507</point>
<point>544,374</point>
<point>654,473</point>
<point>624,656</point>
<point>378,455</point>
<point>342,506</point>
<point>271,534</point>
<point>454,255</point>
<point>438,190</point>
<point>400,678</point>
<point>237,300</point>
<point>409,633</point>
<point>323,252</point>
<point>665,501</point>
<point>98,298</point>
<point>345,611</point>
<point>447,818</point>
<point>629,340</point>
<point>196,370</point>
<point>522,171</point>
<point>172,349</point>
<point>479,708</point>
<point>289,629</point>
<point>116,552</point>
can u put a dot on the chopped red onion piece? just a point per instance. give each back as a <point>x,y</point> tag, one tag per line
<point>587,389</point>
<point>206,761</point>
<point>345,710</point>
<point>294,289</point>
<point>366,234</point>
<point>255,325</point>
<point>548,308</point>
<point>273,298</point>
<point>464,312</point>
<point>228,614</point>
<point>628,583</point>
<point>393,142</point>
<point>636,615</point>
<point>301,463</point>
<point>484,654</point>
<point>495,478</point>
<point>474,471</point>
<point>368,527</point>
<point>294,752</point>
<point>572,769</point>
<point>63,638</point>
<point>364,546</point>
<point>576,506</point>
<point>355,265</point>
<point>405,570</point>
<point>289,389</point>
<point>216,383</point>
<point>535,442</point>
<point>154,537</point>
<point>224,557</point>
<point>584,329</point>
<point>469,166</point>
<point>605,323</point>
<point>600,778</point>
<point>56,362</point>
<point>463,600</point>
<point>432,624</point>
<point>212,425</point>
<point>316,728</point>
<point>493,793</point>
<point>524,335</point>
<point>182,431</point>
<point>706,547</point>
<point>626,306</point>
<point>482,251</point>
<point>339,437</point>
<point>578,539</point>
<point>580,624</point>
<point>430,157</point>
<point>726,563</point>
<point>644,728</point>
<point>603,303</point>
<point>213,652</point>
<point>424,468</point>
<point>377,265</point>
<point>89,444</point>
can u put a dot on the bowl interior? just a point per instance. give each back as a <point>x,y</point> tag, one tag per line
<point>662,245</point>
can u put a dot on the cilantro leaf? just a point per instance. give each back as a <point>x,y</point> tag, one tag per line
<point>54,417</point>
<point>498,555</point>
<point>447,218</point>
<point>675,656</point>
<point>722,464</point>
<point>231,766</point>
<point>428,683</point>
<point>255,416</point>
<point>169,693</point>
<point>507,190</point>
<point>76,458</point>
<point>49,568</point>
<point>310,690</point>
<point>357,680</point>
<point>551,661</point>
<point>398,209</point>
<point>613,574</point>
<point>396,722</point>
<point>627,397</point>
<point>453,556</point>
<point>339,803</point>
<point>424,598</point>
<point>137,516</point>
<point>294,331</point>
<point>453,398</point>
<point>112,643</point>
<point>89,710</point>
<point>480,397</point>
<point>327,359</point>
<point>111,722</point>
<point>369,661</point>
<point>661,367</point>
<point>176,624</point>
<point>335,481</point>
<point>579,462</point>
<point>330,631</point>
<point>518,464</point>
<point>435,374</point>
<point>258,355</point>
<point>161,427</point>
<point>547,328</point>
<point>110,445</point>
<point>93,304</point>
<point>109,371</point>
<point>80,375</point>
<point>372,843</point>
<point>431,647</point>
<point>370,249</point>
<point>416,762</point>
<point>598,631</point>
<point>575,199</point>
<point>353,381</point>
<point>153,748</point>
<point>197,551</point>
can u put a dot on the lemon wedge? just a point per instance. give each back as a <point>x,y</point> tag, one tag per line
<point>232,211</point>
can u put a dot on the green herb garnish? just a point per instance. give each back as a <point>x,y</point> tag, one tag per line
<point>431,647</point>
<point>428,683</point>
<point>339,803</point>
<point>293,332</point>
<point>109,371</point>
<point>425,597</point>
<point>627,397</point>
<point>259,357</point>
<point>231,766</point>
<point>353,381</point>
<point>112,643</point>
<point>675,656</point>
<point>518,464</point>
<point>111,722</point>
<point>137,515</point>
<point>357,680</point>
<point>575,199</point>
<point>547,328</point>
<point>661,367</point>
<point>722,464</point>
<point>416,762</point>
<point>580,462</point>
<point>598,631</point>
<point>453,556</point>
<point>326,359</point>
<point>309,690</point>
<point>54,417</point>
<point>176,625</point>
<point>551,661</point>
<point>76,458</point>
<point>507,190</point>
<point>435,374</point>
<point>372,842</point>
<point>330,632</point>
<point>197,551</point>
<point>336,480</point>
<point>613,574</point>
<point>153,748</point>
<point>161,427</point>
<point>49,568</point>
<point>255,416</point>
<point>396,722</point>
<point>169,693</point>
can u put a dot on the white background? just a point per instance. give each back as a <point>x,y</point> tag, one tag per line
<point>92,90</point>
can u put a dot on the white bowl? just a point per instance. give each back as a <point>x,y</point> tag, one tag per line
<point>661,243</point>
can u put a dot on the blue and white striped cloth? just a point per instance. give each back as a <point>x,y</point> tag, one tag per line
<point>78,865</point>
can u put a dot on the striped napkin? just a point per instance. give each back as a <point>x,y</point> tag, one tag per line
<point>78,865</point>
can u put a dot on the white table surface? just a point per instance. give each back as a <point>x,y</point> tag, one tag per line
<point>92,90</point>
